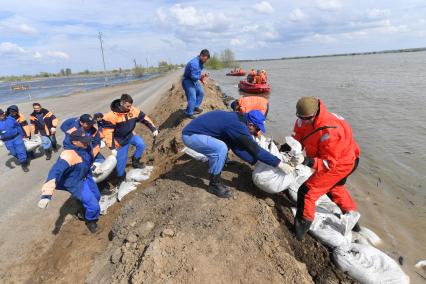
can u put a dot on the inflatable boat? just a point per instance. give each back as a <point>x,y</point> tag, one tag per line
<point>240,73</point>
<point>254,88</point>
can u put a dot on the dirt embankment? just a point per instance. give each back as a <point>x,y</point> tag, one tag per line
<point>172,231</point>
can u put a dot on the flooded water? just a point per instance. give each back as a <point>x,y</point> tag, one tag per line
<point>61,86</point>
<point>384,99</point>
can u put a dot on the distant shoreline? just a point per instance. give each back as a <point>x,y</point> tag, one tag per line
<point>338,54</point>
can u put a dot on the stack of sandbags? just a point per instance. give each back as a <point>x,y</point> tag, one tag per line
<point>133,178</point>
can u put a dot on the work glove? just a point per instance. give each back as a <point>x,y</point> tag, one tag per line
<point>44,201</point>
<point>114,152</point>
<point>286,168</point>
<point>53,130</point>
<point>155,133</point>
<point>297,160</point>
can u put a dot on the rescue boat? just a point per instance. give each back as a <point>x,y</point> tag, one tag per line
<point>239,73</point>
<point>254,88</point>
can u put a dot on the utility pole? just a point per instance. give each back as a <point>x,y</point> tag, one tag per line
<point>136,66</point>
<point>103,58</point>
<point>147,66</point>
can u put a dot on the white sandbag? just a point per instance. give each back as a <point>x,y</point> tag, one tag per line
<point>32,144</point>
<point>139,175</point>
<point>369,265</point>
<point>1,143</point>
<point>125,188</point>
<point>421,264</point>
<point>107,201</point>
<point>103,145</point>
<point>104,169</point>
<point>194,154</point>
<point>366,236</point>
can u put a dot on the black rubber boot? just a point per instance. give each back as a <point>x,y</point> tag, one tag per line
<point>301,227</point>
<point>48,153</point>
<point>92,226</point>
<point>198,110</point>
<point>120,180</point>
<point>356,228</point>
<point>190,116</point>
<point>137,164</point>
<point>24,166</point>
<point>218,188</point>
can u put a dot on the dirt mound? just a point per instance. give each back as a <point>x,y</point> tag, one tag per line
<point>172,230</point>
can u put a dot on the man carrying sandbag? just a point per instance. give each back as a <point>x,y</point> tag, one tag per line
<point>44,123</point>
<point>331,151</point>
<point>87,125</point>
<point>72,173</point>
<point>118,126</point>
<point>213,133</point>
<point>11,133</point>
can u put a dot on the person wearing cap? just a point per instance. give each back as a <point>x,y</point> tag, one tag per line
<point>13,111</point>
<point>87,124</point>
<point>333,154</point>
<point>11,133</point>
<point>118,132</point>
<point>214,132</point>
<point>191,83</point>
<point>44,123</point>
<point>72,173</point>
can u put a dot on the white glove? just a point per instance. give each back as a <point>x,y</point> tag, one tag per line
<point>53,130</point>
<point>286,168</point>
<point>114,152</point>
<point>43,203</point>
<point>297,160</point>
<point>155,133</point>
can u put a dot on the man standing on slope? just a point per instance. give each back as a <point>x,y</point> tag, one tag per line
<point>72,173</point>
<point>11,134</point>
<point>212,133</point>
<point>191,83</point>
<point>118,126</point>
<point>332,152</point>
<point>44,123</point>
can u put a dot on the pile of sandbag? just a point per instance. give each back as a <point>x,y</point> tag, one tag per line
<point>133,178</point>
<point>353,251</point>
<point>32,144</point>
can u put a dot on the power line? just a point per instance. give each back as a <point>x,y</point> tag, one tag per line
<point>103,58</point>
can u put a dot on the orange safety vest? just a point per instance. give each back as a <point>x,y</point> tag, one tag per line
<point>250,103</point>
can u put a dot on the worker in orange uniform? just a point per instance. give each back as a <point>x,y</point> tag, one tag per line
<point>333,154</point>
<point>118,130</point>
<point>44,122</point>
<point>248,103</point>
<point>13,111</point>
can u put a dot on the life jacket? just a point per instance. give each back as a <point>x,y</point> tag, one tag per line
<point>250,103</point>
<point>329,140</point>
<point>118,125</point>
<point>263,79</point>
<point>43,127</point>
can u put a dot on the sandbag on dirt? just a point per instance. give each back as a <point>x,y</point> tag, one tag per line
<point>369,265</point>
<point>139,175</point>
<point>366,236</point>
<point>104,169</point>
<point>421,264</point>
<point>125,188</point>
<point>32,144</point>
<point>1,143</point>
<point>195,154</point>
<point>107,201</point>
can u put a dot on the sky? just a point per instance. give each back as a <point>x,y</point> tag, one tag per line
<point>45,36</point>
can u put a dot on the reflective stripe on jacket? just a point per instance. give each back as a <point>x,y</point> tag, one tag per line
<point>43,127</point>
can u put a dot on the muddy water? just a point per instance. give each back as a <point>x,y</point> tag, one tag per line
<point>384,99</point>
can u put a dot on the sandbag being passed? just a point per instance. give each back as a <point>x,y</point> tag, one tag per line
<point>32,144</point>
<point>104,169</point>
<point>369,265</point>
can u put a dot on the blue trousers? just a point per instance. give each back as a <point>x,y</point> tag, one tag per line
<point>46,143</point>
<point>90,197</point>
<point>215,149</point>
<point>194,95</point>
<point>16,148</point>
<point>124,150</point>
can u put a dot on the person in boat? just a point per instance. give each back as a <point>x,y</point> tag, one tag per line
<point>263,77</point>
<point>11,134</point>
<point>257,78</point>
<point>250,76</point>
<point>212,133</point>
<point>72,173</point>
<point>191,83</point>
<point>44,123</point>
<point>13,111</point>
<point>249,103</point>
<point>332,152</point>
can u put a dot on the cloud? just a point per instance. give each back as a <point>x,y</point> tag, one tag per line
<point>16,25</point>
<point>329,5</point>
<point>57,54</point>
<point>296,15</point>
<point>237,42</point>
<point>378,13</point>
<point>264,7</point>
<point>10,48</point>
<point>37,55</point>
